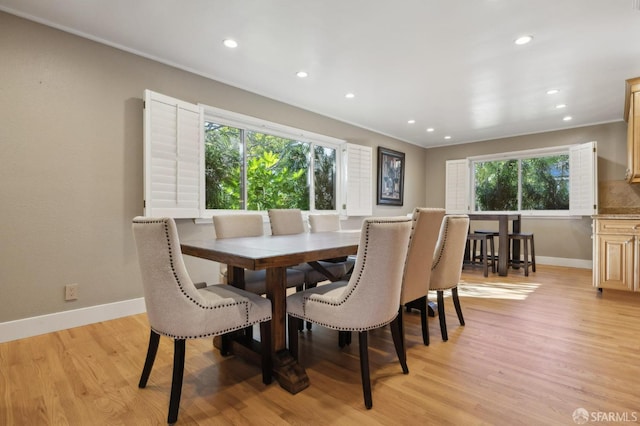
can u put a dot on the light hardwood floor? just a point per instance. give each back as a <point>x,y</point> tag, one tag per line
<point>532,352</point>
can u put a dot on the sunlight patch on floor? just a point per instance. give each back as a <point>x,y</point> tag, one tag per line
<point>496,290</point>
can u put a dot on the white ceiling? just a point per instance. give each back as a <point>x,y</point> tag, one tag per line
<point>447,64</point>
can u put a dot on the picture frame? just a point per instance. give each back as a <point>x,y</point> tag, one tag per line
<point>390,177</point>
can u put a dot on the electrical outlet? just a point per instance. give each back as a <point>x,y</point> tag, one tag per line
<point>71,292</point>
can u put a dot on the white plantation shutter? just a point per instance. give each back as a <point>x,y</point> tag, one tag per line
<point>457,186</point>
<point>359,182</point>
<point>173,157</point>
<point>583,179</point>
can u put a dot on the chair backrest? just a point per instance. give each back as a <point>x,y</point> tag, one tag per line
<point>372,296</point>
<point>424,236</point>
<point>449,253</point>
<point>238,225</point>
<point>169,293</point>
<point>324,222</point>
<point>286,221</point>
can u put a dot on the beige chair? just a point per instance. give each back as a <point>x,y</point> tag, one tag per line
<point>324,222</point>
<point>250,225</point>
<point>370,298</point>
<point>447,264</point>
<point>289,222</point>
<point>417,273</point>
<point>177,309</point>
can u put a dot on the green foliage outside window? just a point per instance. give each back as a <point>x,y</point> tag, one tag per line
<point>277,171</point>
<point>544,184</point>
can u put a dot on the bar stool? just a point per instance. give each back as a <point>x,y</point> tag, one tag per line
<point>527,244</point>
<point>487,250</point>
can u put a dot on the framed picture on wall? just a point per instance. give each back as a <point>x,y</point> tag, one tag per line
<point>390,177</point>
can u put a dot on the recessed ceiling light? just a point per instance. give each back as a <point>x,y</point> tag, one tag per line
<point>560,106</point>
<point>430,129</point>
<point>568,118</point>
<point>302,74</point>
<point>349,95</point>
<point>447,137</point>
<point>523,39</point>
<point>231,44</point>
<point>411,121</point>
<point>552,91</point>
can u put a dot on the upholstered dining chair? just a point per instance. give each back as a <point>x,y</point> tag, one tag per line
<point>251,225</point>
<point>370,298</point>
<point>417,274</point>
<point>177,309</point>
<point>447,265</point>
<point>289,222</point>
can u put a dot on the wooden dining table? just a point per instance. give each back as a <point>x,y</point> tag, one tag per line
<point>503,220</point>
<point>275,254</point>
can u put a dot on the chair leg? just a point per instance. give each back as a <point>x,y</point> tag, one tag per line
<point>533,255</point>
<point>154,340</point>
<point>397,333</point>
<point>443,321</point>
<point>526,257</point>
<point>493,256</point>
<point>265,350</point>
<point>485,259</point>
<point>456,303</point>
<point>176,382</point>
<point>294,324</point>
<point>364,369</point>
<point>423,320</point>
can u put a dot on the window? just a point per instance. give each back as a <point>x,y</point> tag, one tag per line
<point>548,181</point>
<point>199,159</point>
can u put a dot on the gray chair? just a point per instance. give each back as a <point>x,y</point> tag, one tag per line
<point>369,300</point>
<point>417,274</point>
<point>177,309</point>
<point>250,225</point>
<point>447,264</point>
<point>290,222</point>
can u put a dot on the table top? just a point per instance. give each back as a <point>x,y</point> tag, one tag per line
<point>275,251</point>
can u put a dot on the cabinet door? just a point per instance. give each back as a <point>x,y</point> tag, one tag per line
<point>617,261</point>
<point>633,139</point>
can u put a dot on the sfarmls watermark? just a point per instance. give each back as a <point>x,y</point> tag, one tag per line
<point>582,416</point>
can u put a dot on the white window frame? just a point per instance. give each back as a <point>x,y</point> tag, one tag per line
<point>165,127</point>
<point>583,180</point>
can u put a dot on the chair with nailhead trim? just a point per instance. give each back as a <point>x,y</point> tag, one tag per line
<point>370,298</point>
<point>179,310</point>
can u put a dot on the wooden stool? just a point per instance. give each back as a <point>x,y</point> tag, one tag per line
<point>486,245</point>
<point>527,243</point>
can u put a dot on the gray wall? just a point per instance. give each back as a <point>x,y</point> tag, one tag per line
<point>560,238</point>
<point>71,175</point>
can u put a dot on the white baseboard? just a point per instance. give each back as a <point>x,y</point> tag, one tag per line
<point>27,327</point>
<point>561,261</point>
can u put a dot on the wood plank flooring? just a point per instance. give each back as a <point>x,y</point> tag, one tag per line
<point>533,351</point>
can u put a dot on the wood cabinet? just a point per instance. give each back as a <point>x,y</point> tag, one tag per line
<point>632,117</point>
<point>616,254</point>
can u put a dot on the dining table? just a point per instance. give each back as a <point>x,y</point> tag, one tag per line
<point>275,254</point>
<point>503,220</point>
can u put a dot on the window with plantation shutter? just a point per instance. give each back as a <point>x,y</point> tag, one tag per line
<point>457,186</point>
<point>583,180</point>
<point>173,157</point>
<point>359,182</point>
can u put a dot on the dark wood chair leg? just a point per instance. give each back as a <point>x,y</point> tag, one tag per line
<point>443,321</point>
<point>533,255</point>
<point>397,333</point>
<point>154,340</point>
<point>294,325</point>
<point>265,351</point>
<point>526,257</point>
<point>456,303</point>
<point>176,382</point>
<point>364,369</point>
<point>423,319</point>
